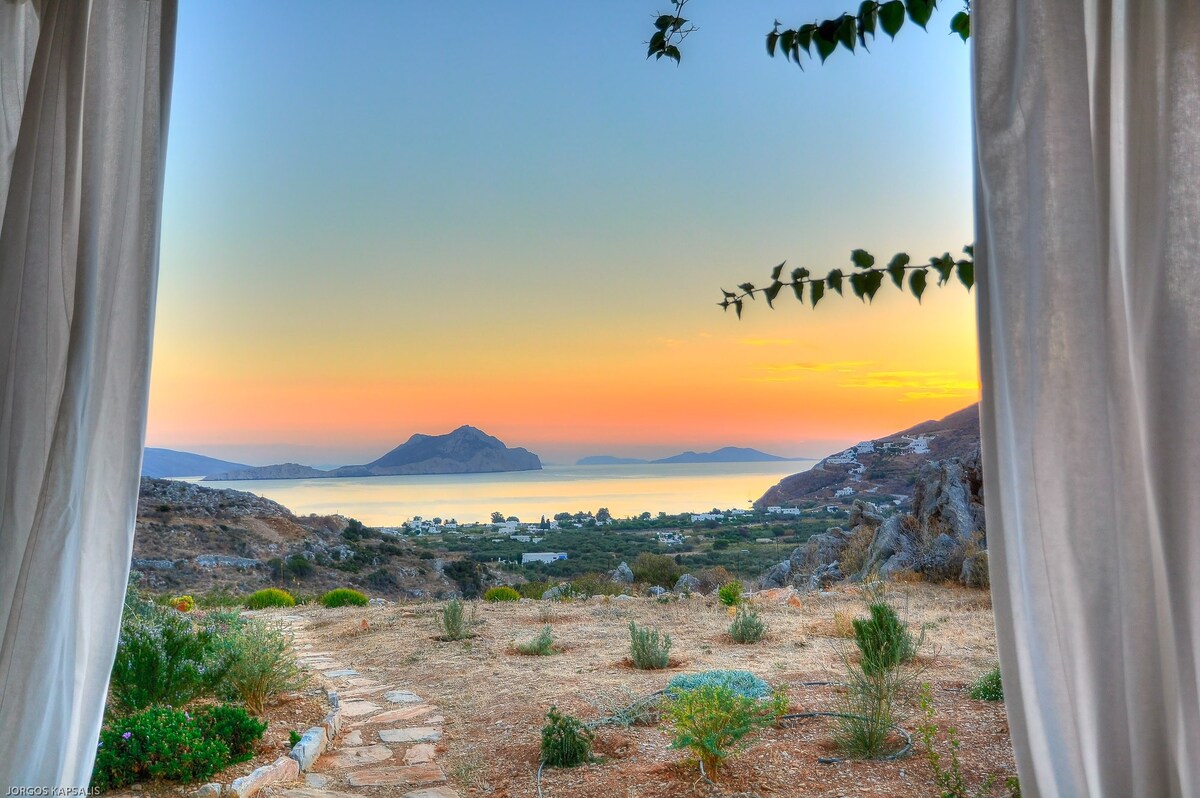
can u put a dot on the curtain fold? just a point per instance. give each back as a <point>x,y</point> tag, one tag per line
<point>1087,124</point>
<point>84,95</point>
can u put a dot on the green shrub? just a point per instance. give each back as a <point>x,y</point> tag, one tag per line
<point>742,683</point>
<point>747,627</point>
<point>344,597</point>
<point>730,593</point>
<point>533,590</point>
<point>294,738</point>
<point>159,743</point>
<point>165,659</point>
<point>263,667</point>
<point>949,777</point>
<point>270,597</point>
<point>502,593</point>
<point>566,742</point>
<point>299,566</point>
<point>883,639</point>
<point>655,569</point>
<point>233,725</point>
<point>453,621</point>
<point>540,646</point>
<point>988,687</point>
<point>648,649</point>
<point>713,721</point>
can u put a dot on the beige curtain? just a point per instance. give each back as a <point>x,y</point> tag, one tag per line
<point>84,90</point>
<point>1087,117</point>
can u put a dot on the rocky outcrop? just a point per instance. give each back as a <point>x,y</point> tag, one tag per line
<point>943,537</point>
<point>169,495</point>
<point>687,584</point>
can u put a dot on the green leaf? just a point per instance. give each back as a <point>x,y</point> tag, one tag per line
<point>868,12</point>
<point>960,23</point>
<point>657,42</point>
<point>672,52</point>
<point>919,11</point>
<point>874,279</point>
<point>897,273</point>
<point>917,283</point>
<point>678,23</point>
<point>747,288</point>
<point>818,291</point>
<point>804,36</point>
<point>772,40</point>
<point>862,259</point>
<point>944,266</point>
<point>798,288</point>
<point>969,249</point>
<point>664,21</point>
<point>799,273</point>
<point>858,281</point>
<point>728,294</point>
<point>899,260</point>
<point>847,32</point>
<point>966,273</point>
<point>778,270</point>
<point>834,279</point>
<point>891,17</point>
<point>787,40</point>
<point>771,292</point>
<point>737,305</point>
<point>826,38</point>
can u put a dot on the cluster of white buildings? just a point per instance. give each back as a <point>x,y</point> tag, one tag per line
<point>776,510</point>
<point>542,556</point>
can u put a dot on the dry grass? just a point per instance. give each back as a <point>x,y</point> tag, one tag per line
<point>495,701</point>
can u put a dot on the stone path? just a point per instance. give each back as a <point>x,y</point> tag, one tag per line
<point>388,739</point>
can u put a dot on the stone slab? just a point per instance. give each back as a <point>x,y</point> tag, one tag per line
<point>414,775</point>
<point>402,697</point>
<point>282,769</point>
<point>355,757</point>
<point>354,709</point>
<point>341,674</point>
<point>392,715</point>
<point>419,754</point>
<point>414,734</point>
<point>311,745</point>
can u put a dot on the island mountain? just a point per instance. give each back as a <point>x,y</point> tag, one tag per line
<point>728,454</point>
<point>167,463</point>
<point>466,450</point>
<point>884,469</point>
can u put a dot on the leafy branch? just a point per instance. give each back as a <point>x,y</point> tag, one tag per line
<point>850,30</point>
<point>669,33</point>
<point>865,281</point>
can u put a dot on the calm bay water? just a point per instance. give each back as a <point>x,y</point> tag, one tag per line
<point>624,489</point>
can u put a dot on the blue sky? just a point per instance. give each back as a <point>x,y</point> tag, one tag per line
<point>389,197</point>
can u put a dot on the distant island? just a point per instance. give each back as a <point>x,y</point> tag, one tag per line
<point>168,463</point>
<point>728,454</point>
<point>466,450</point>
<point>608,459</point>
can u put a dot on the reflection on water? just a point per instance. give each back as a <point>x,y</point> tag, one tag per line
<point>625,490</point>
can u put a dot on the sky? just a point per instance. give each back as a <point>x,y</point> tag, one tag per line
<point>392,217</point>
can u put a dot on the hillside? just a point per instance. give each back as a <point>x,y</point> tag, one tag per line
<point>165,463</point>
<point>466,450</point>
<point>194,539</point>
<point>884,468</point>
<point>608,459</point>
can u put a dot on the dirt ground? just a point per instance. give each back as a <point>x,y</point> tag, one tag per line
<point>495,700</point>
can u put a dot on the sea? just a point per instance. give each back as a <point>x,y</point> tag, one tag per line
<point>626,490</point>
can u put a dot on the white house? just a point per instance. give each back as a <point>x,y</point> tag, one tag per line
<point>847,491</point>
<point>784,510</point>
<point>698,517</point>
<point>542,556</point>
<point>866,447</point>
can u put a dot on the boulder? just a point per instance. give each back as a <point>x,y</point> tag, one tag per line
<point>655,590</point>
<point>557,592</point>
<point>623,574</point>
<point>894,548</point>
<point>311,745</point>
<point>687,584</point>
<point>975,570</point>
<point>777,576</point>
<point>282,769</point>
<point>824,576</point>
